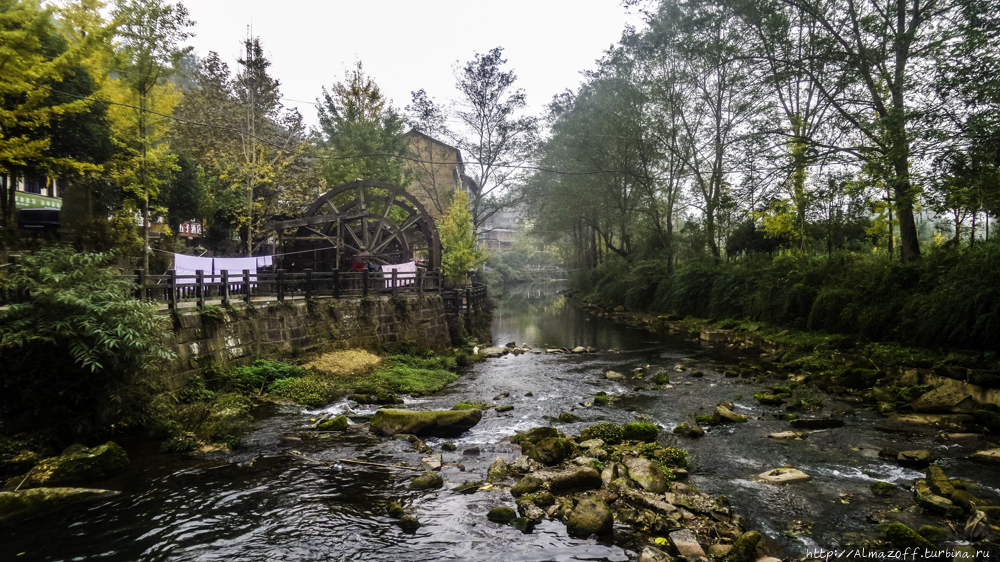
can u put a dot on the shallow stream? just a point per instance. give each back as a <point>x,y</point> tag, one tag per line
<point>277,499</point>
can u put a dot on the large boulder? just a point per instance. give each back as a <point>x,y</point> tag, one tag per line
<point>498,470</point>
<point>534,435</point>
<point>78,465</point>
<point>943,400</point>
<point>550,451</point>
<point>745,547</point>
<point>444,423</point>
<point>573,480</point>
<point>24,502</point>
<point>646,474</point>
<point>902,536</point>
<point>590,516</point>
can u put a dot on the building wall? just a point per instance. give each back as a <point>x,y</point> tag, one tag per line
<point>436,174</point>
<point>239,336</point>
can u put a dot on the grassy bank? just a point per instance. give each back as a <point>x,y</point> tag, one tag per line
<point>215,406</point>
<point>947,299</point>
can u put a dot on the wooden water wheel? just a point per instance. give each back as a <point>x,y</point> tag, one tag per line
<point>363,221</point>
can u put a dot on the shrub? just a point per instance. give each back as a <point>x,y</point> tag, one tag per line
<point>81,344</point>
<point>640,431</point>
<point>608,432</point>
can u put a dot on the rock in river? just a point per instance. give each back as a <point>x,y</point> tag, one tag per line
<point>590,516</point>
<point>647,474</point>
<point>81,465</point>
<point>783,476</point>
<point>426,481</point>
<point>447,422</point>
<point>23,502</point>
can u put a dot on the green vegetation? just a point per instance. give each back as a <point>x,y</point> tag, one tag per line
<point>640,431</point>
<point>471,406</point>
<point>608,432</point>
<point>948,298</point>
<point>80,345</point>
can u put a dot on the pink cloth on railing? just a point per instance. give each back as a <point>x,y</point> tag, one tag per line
<point>406,274</point>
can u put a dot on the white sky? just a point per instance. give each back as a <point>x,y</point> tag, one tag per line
<point>409,45</point>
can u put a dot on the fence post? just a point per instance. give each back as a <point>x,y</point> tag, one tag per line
<point>420,281</point>
<point>140,284</point>
<point>336,283</point>
<point>200,280</point>
<point>395,281</point>
<point>309,283</point>
<point>281,285</point>
<point>364,283</point>
<point>172,290</point>
<point>224,290</point>
<point>468,301</point>
<point>246,286</point>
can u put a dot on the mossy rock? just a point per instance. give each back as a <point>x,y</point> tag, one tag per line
<point>29,502</point>
<point>640,431</point>
<point>686,430</point>
<point>523,524</point>
<point>768,399</point>
<point>987,419</point>
<point>534,435</point>
<point>338,423</point>
<point>590,516</point>
<point>902,536</point>
<point>442,423</point>
<point>705,420</point>
<point>395,510</point>
<point>932,533</point>
<point>543,499</point>
<point>448,447</point>
<point>745,547</point>
<point>608,432</point>
<point>501,515</point>
<point>502,409</point>
<point>526,485</point>
<point>567,417</point>
<point>427,481</point>
<point>89,464</point>
<point>602,400</point>
<point>549,451</point>
<point>883,488</point>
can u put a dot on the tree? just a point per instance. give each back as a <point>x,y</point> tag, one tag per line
<point>362,134</point>
<point>271,147</point>
<point>34,61</point>
<point>497,139</point>
<point>458,241</point>
<point>149,34</point>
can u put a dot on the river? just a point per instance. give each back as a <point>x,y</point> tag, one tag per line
<point>278,499</point>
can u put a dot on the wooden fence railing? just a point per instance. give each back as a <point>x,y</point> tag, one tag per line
<point>227,287</point>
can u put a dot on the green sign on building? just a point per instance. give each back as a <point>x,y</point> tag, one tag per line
<point>32,201</point>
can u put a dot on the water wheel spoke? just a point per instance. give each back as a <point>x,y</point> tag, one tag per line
<point>389,201</point>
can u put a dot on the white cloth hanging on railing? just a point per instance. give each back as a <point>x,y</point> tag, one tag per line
<point>213,267</point>
<point>406,274</point>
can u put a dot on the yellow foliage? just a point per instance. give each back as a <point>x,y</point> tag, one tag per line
<point>351,362</point>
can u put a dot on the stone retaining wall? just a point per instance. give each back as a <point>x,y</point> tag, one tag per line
<point>240,335</point>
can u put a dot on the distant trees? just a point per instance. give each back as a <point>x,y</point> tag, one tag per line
<point>818,124</point>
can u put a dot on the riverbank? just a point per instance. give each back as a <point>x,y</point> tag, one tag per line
<point>288,486</point>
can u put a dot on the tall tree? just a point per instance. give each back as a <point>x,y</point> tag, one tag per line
<point>149,34</point>
<point>877,50</point>
<point>497,138</point>
<point>41,86</point>
<point>362,134</point>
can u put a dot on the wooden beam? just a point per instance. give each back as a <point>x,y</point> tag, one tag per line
<point>318,219</point>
